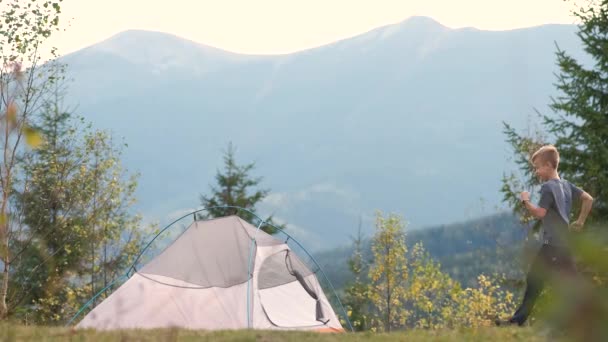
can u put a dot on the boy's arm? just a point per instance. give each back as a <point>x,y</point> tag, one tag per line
<point>535,211</point>
<point>585,209</point>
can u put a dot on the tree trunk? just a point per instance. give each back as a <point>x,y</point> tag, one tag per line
<point>388,289</point>
<point>4,291</point>
<point>4,237</point>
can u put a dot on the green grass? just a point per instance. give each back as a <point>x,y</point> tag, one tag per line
<point>29,333</point>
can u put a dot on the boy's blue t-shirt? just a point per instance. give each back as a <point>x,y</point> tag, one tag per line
<point>556,197</point>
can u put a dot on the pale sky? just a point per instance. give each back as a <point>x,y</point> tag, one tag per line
<point>283,26</point>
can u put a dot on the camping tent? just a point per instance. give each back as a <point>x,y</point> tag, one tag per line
<point>221,273</point>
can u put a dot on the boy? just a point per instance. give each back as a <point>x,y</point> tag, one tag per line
<point>553,209</point>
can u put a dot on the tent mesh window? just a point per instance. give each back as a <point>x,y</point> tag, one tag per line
<point>280,269</point>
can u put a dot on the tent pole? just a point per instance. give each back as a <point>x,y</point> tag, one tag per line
<point>250,275</point>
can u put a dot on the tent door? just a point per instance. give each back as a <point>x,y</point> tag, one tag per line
<point>289,292</point>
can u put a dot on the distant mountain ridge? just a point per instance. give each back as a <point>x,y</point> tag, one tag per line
<point>489,245</point>
<point>405,118</point>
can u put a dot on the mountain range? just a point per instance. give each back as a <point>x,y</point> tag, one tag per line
<point>405,118</point>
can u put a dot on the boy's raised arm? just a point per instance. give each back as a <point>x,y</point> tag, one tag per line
<point>535,211</point>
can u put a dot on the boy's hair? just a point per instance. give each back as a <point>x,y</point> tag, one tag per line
<point>547,154</point>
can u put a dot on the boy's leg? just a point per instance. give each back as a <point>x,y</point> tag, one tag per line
<point>564,263</point>
<point>535,281</point>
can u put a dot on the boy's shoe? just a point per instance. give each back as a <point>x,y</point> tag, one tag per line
<point>504,322</point>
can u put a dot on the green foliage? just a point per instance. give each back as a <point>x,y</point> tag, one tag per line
<point>356,294</point>
<point>481,305</point>
<point>24,27</point>
<point>430,292</point>
<point>388,274</point>
<point>236,188</point>
<point>411,286</point>
<point>513,185</point>
<point>76,231</point>
<point>487,245</point>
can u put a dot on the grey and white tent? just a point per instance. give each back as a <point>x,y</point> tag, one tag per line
<point>213,277</point>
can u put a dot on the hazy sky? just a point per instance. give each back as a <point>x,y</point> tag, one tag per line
<point>282,26</point>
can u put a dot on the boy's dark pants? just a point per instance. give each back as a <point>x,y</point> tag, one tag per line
<point>550,261</point>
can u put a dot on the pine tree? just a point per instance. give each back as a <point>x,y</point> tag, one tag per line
<point>581,128</point>
<point>236,188</point>
<point>76,230</point>
<point>579,125</point>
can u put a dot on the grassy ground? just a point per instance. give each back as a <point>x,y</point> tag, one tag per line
<point>22,333</point>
